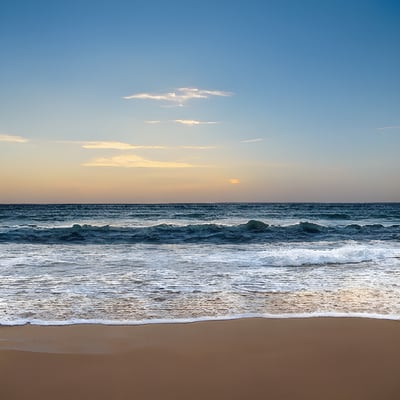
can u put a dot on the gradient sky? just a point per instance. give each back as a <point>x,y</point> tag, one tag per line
<point>174,101</point>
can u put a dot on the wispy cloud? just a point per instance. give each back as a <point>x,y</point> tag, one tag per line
<point>188,122</point>
<point>13,139</point>
<point>384,128</point>
<point>192,122</point>
<point>134,161</point>
<point>108,145</point>
<point>179,96</point>
<point>197,147</point>
<point>252,140</point>
<point>116,146</point>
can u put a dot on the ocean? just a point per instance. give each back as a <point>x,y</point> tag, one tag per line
<point>142,263</point>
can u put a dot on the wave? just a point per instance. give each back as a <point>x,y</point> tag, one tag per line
<point>253,231</point>
<point>334,216</point>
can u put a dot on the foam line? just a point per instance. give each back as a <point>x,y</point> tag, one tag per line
<point>22,322</point>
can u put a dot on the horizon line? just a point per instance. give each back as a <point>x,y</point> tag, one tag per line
<point>199,202</point>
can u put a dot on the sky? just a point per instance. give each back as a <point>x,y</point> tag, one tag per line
<point>199,101</point>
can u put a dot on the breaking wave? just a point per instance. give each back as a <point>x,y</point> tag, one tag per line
<point>253,231</point>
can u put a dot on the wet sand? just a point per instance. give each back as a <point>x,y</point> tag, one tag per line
<point>316,358</point>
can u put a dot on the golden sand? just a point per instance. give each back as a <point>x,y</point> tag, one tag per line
<point>317,358</point>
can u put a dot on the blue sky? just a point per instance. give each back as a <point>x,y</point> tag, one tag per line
<point>299,101</point>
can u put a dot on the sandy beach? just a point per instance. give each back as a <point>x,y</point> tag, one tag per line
<point>317,358</point>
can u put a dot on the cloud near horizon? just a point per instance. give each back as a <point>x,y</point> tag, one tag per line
<point>134,161</point>
<point>108,145</point>
<point>252,140</point>
<point>116,146</point>
<point>193,122</point>
<point>180,95</point>
<point>13,139</point>
<point>197,147</point>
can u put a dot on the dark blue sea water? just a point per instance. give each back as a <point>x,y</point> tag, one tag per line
<point>132,263</point>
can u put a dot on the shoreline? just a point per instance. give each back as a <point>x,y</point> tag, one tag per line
<point>178,321</point>
<point>248,358</point>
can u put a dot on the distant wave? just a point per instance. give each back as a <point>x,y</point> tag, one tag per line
<point>253,231</point>
<point>334,216</point>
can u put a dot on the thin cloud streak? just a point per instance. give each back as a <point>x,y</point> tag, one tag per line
<point>13,139</point>
<point>252,140</point>
<point>197,147</point>
<point>108,145</point>
<point>134,161</point>
<point>117,146</point>
<point>384,128</point>
<point>179,96</point>
<point>193,122</point>
<point>152,122</point>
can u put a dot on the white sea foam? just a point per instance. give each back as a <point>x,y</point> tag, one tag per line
<point>23,322</point>
<point>181,263</point>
